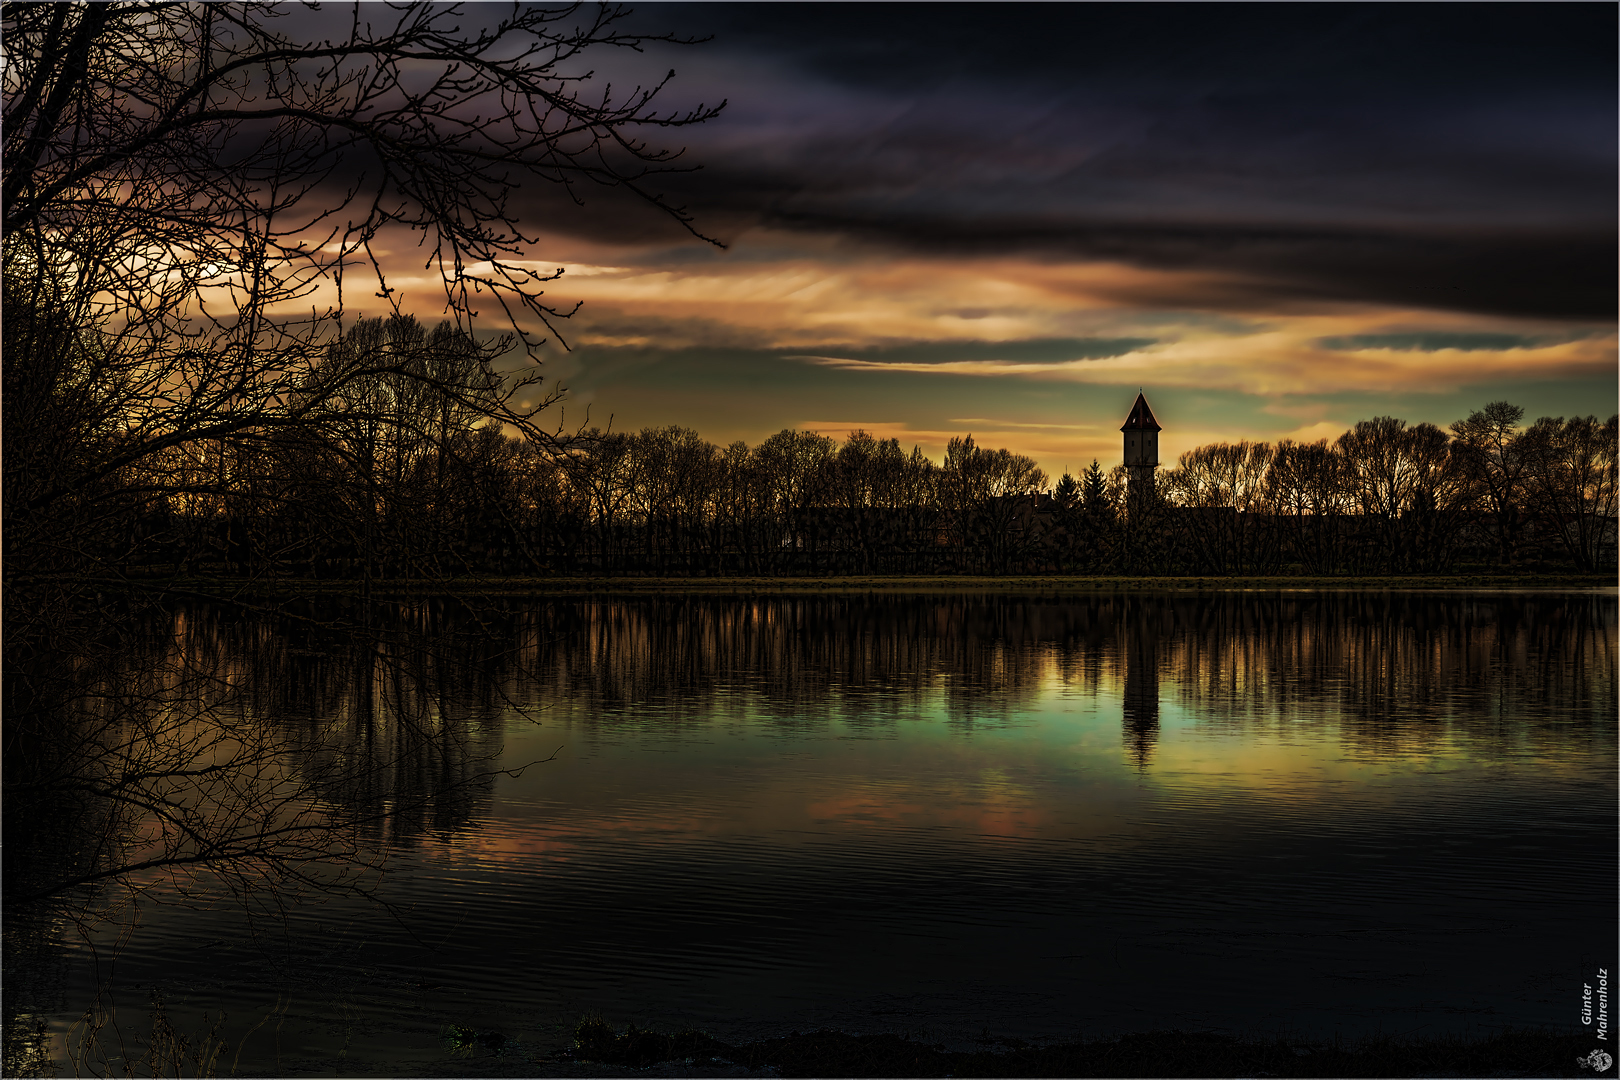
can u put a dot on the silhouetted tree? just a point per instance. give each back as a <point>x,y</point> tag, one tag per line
<point>190,194</point>
<point>1407,487</point>
<point>1221,488</point>
<point>1572,470</point>
<point>1098,520</point>
<point>1306,492</point>
<point>798,467</point>
<point>1067,511</point>
<point>1489,449</point>
<point>988,498</point>
<point>169,198</point>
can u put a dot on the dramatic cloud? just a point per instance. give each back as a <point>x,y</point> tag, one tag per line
<point>1437,341</point>
<point>982,357</point>
<point>1278,219</point>
<point>1460,159</point>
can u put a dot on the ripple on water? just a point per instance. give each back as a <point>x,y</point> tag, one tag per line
<point>1034,845</point>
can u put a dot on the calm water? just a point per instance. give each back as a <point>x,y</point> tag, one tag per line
<point>1257,812</point>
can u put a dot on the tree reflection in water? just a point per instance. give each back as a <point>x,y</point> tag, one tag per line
<point>264,746</point>
<point>1391,671</point>
<point>185,752</point>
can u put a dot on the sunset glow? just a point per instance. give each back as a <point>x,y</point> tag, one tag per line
<point>1278,224</point>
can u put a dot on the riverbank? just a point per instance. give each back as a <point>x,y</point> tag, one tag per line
<point>770,586</point>
<point>598,1050</point>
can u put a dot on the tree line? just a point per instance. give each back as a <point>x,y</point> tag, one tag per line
<point>391,460</point>
<point>1389,497</point>
<point>386,464</point>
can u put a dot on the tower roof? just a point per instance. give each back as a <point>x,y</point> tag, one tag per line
<point>1141,418</point>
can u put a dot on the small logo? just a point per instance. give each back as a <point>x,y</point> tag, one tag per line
<point>1597,1061</point>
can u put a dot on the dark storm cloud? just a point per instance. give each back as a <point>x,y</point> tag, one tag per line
<point>907,45</point>
<point>1453,156</point>
<point>1434,342</point>
<point>1539,274</point>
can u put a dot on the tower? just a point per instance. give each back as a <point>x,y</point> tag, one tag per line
<point>1141,449</point>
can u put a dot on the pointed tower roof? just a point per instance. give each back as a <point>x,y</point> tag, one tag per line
<point>1141,418</point>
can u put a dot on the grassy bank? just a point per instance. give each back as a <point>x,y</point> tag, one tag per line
<point>767,586</point>
<point>1151,1054</point>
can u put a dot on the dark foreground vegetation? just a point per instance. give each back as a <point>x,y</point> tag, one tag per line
<point>1160,1053</point>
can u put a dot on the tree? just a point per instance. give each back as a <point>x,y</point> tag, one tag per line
<point>1097,518</point>
<point>673,472</point>
<point>857,483</point>
<point>600,468</point>
<point>192,195</point>
<point>197,192</point>
<point>1493,456</point>
<point>1410,487</point>
<point>797,466</point>
<point>179,151</point>
<point>1221,489</point>
<point>1443,495</point>
<point>1574,484</point>
<point>1067,510</point>
<point>987,496</point>
<point>1066,492</point>
<point>742,506</point>
<point>1379,477</point>
<point>1305,487</point>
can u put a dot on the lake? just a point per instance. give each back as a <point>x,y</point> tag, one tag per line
<point>1037,816</point>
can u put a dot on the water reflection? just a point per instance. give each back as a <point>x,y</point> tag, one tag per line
<point>206,753</point>
<point>1140,695</point>
<point>992,810</point>
<point>392,715</point>
<point>1397,669</point>
<point>216,746</point>
<point>394,723</point>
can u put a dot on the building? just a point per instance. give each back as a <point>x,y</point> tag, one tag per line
<point>1141,432</point>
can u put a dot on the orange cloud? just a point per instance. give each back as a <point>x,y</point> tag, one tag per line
<point>831,298</point>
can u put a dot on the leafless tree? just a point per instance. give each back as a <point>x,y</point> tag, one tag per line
<point>798,468</point>
<point>1406,483</point>
<point>193,196</point>
<point>1488,446</point>
<point>1223,485</point>
<point>1305,490</point>
<point>193,192</point>
<point>987,497</point>
<point>1573,483</point>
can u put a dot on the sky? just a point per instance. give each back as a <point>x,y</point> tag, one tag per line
<point>939,220</point>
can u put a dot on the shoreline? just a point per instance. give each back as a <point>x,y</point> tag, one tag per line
<point>599,1050</point>
<point>865,584</point>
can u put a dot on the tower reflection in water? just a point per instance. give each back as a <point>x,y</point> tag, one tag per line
<point>1140,697</point>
